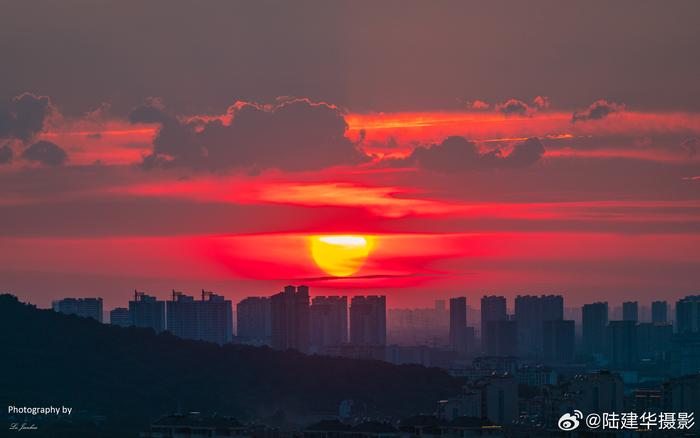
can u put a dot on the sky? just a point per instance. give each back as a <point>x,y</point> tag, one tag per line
<point>478,148</point>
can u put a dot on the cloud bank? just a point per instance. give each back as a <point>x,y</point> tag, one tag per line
<point>46,153</point>
<point>599,109</point>
<point>294,135</point>
<point>457,154</point>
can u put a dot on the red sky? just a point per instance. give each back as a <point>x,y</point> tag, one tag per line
<point>606,211</point>
<point>482,149</point>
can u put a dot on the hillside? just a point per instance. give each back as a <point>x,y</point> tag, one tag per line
<point>131,376</point>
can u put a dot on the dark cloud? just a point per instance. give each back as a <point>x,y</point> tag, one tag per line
<point>457,154</point>
<point>293,135</point>
<point>6,154</point>
<point>524,154</point>
<point>45,152</point>
<point>152,111</point>
<point>598,110</point>
<point>24,116</point>
<point>514,107</point>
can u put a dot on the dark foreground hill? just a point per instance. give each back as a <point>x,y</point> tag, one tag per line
<point>131,376</point>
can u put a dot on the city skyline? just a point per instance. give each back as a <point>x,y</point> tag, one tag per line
<point>529,306</point>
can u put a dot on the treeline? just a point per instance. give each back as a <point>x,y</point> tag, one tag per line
<point>130,376</point>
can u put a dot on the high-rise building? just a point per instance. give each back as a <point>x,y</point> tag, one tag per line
<point>329,321</point>
<point>254,321</point>
<point>208,320</point>
<point>290,319</point>
<point>182,316</point>
<point>421,326</point>
<point>215,318</point>
<point>630,311</point>
<point>688,314</point>
<point>594,320</point>
<point>622,344</point>
<point>502,338</point>
<point>458,324</point>
<point>558,340</point>
<point>83,307</point>
<point>602,391</point>
<point>368,320</point>
<point>120,316</point>
<point>499,398</point>
<point>653,339</point>
<point>682,394</point>
<point>530,313</point>
<point>659,312</point>
<point>148,312</point>
<point>440,306</point>
<point>493,308</point>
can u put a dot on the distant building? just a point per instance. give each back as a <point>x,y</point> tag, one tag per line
<point>470,340</point>
<point>83,307</point>
<point>182,316</point>
<point>630,311</point>
<point>148,312</point>
<point>440,306</point>
<point>487,365</point>
<point>195,425</point>
<point>594,320</point>
<point>530,313</point>
<point>558,341</point>
<point>458,324</point>
<point>368,320</point>
<point>682,394</point>
<point>493,308</point>
<point>622,344</point>
<point>120,316</point>
<point>290,319</point>
<point>254,321</point>
<point>659,312</point>
<point>502,338</point>
<point>647,400</point>
<point>688,314</point>
<point>467,404</point>
<point>537,376</point>
<point>654,340</point>
<point>207,320</point>
<point>597,392</point>
<point>215,318</point>
<point>421,326</point>
<point>329,321</point>
<point>499,397</point>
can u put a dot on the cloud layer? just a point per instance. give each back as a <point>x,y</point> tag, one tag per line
<point>599,109</point>
<point>24,116</point>
<point>46,153</point>
<point>293,135</point>
<point>457,154</point>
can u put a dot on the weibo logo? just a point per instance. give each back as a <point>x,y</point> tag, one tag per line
<point>569,422</point>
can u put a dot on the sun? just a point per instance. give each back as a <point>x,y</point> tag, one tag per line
<point>340,255</point>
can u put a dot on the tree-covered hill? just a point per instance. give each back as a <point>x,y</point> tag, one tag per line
<point>131,376</point>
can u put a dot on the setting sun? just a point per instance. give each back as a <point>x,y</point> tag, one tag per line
<point>340,255</point>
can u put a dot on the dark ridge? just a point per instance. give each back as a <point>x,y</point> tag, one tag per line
<point>132,376</point>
